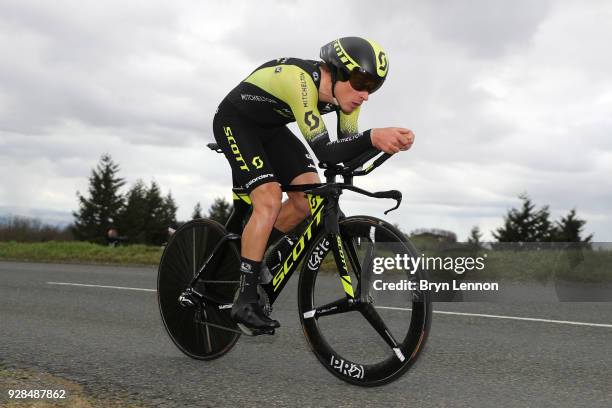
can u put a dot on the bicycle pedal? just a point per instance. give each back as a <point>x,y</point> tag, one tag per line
<point>254,332</point>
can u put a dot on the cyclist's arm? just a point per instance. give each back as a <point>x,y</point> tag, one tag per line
<point>341,150</point>
<point>302,96</point>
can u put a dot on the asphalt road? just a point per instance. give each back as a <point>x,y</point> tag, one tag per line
<point>113,342</point>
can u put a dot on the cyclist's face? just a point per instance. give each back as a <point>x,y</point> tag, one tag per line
<point>348,98</point>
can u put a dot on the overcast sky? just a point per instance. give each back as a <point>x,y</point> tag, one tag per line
<point>504,98</point>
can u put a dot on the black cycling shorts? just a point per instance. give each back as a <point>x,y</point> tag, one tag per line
<point>258,154</point>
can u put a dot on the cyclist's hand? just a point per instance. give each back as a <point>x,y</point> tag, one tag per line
<point>392,139</point>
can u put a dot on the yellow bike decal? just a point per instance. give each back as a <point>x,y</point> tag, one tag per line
<point>344,274</point>
<point>316,207</point>
<point>242,196</point>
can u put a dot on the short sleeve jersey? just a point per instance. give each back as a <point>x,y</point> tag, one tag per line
<point>286,90</point>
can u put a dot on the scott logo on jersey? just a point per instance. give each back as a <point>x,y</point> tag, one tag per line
<point>311,120</point>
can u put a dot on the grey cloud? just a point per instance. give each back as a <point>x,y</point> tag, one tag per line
<point>141,81</point>
<point>98,66</point>
<point>291,35</point>
<point>485,28</point>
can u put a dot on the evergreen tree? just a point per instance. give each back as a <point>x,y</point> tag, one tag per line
<point>474,238</point>
<point>569,229</point>
<point>155,222</point>
<point>197,211</point>
<point>543,229</point>
<point>100,209</point>
<point>169,211</point>
<point>220,210</point>
<point>526,224</point>
<point>147,215</point>
<point>133,218</point>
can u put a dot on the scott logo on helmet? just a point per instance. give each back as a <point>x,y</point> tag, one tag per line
<point>346,60</point>
<point>382,61</point>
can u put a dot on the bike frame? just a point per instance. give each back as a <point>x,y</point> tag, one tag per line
<point>324,215</point>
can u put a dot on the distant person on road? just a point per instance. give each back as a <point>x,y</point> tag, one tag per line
<point>113,238</point>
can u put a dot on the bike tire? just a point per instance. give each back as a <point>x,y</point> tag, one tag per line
<point>344,345</point>
<point>189,327</point>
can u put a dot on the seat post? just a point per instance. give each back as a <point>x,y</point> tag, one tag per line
<point>330,178</point>
<point>348,179</point>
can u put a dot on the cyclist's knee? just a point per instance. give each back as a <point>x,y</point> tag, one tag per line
<point>310,177</point>
<point>266,200</point>
<point>298,199</point>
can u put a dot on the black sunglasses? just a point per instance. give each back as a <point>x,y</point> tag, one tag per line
<point>360,80</point>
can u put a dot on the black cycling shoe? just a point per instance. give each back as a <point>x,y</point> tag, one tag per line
<point>252,320</point>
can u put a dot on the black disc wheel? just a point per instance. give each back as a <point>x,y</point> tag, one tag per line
<point>203,331</point>
<point>367,329</point>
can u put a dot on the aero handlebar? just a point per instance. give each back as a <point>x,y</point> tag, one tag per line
<point>354,167</point>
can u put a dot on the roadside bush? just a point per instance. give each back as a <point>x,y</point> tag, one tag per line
<point>25,229</point>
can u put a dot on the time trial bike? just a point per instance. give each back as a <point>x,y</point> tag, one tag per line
<point>360,333</point>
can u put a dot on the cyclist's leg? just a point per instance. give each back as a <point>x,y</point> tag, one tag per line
<point>266,199</point>
<point>293,165</point>
<point>296,208</point>
<point>247,311</point>
<point>240,140</point>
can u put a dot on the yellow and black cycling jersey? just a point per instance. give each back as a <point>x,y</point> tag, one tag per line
<point>286,90</point>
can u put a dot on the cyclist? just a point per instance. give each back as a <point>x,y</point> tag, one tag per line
<point>250,128</point>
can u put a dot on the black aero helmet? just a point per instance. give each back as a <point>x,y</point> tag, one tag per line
<point>362,62</point>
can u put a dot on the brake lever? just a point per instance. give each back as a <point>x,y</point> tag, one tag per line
<point>398,201</point>
<point>395,195</point>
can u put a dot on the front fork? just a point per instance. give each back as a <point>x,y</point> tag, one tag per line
<point>332,218</point>
<point>345,249</point>
<point>363,302</point>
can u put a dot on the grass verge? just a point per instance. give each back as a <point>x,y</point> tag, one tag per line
<point>534,265</point>
<point>79,252</point>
